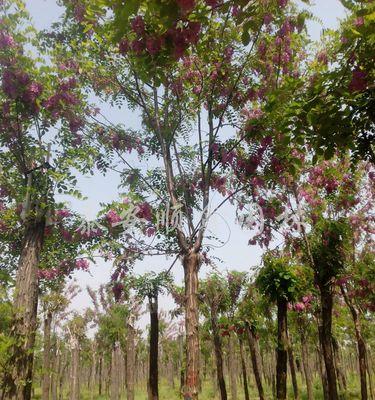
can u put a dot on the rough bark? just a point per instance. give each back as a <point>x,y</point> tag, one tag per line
<point>100,373</point>
<point>17,379</point>
<point>306,367</point>
<point>361,345</point>
<point>218,356</point>
<point>153,379</point>
<point>232,368</point>
<point>191,263</point>
<point>282,350</point>
<point>46,356</point>
<point>74,370</point>
<point>244,373</point>
<point>130,362</point>
<point>255,360</point>
<point>292,367</point>
<point>326,339</point>
<point>115,369</point>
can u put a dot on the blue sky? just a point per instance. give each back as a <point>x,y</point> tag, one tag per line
<point>236,254</point>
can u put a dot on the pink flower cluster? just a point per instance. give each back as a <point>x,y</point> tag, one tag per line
<point>304,304</point>
<point>63,213</point>
<point>49,274</point>
<point>178,38</point>
<point>359,81</point>
<point>144,211</point>
<point>112,217</point>
<point>6,40</point>
<point>82,264</point>
<point>18,85</point>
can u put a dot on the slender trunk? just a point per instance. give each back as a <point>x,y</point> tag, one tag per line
<point>282,349</point>
<point>293,369</point>
<point>361,345</point>
<point>46,356</point>
<point>100,367</point>
<point>255,360</point>
<point>244,373</point>
<point>322,369</point>
<point>232,368</point>
<point>306,367</point>
<point>218,356</point>
<point>341,379</point>
<point>75,372</point>
<point>56,372</point>
<point>17,379</point>
<point>326,339</point>
<point>153,382</point>
<point>115,377</point>
<point>191,265</point>
<point>130,362</point>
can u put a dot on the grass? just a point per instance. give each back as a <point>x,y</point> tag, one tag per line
<point>208,392</point>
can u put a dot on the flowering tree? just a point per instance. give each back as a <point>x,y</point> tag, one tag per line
<point>333,111</point>
<point>190,77</point>
<point>41,116</point>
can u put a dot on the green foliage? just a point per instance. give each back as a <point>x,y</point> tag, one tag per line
<point>277,279</point>
<point>330,245</point>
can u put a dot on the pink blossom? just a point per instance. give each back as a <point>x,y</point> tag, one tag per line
<point>6,40</point>
<point>138,45</point>
<point>322,57</point>
<point>63,213</point>
<point>282,3</point>
<point>138,25</point>
<point>307,298</point>
<point>359,81</point>
<point>66,235</point>
<point>144,211</point>
<point>236,11</point>
<point>359,22</point>
<point>153,45</point>
<point>124,46</point>
<point>82,264</point>
<point>299,307</point>
<point>48,274</point>
<point>268,19</point>
<point>112,217</point>
<point>150,231</point>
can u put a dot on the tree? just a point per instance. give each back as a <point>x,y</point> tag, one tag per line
<point>150,286</point>
<point>177,74</point>
<point>35,161</point>
<point>214,293</point>
<point>278,281</point>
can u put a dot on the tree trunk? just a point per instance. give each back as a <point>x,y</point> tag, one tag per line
<point>361,345</point>
<point>115,369</point>
<point>218,356</point>
<point>46,356</point>
<point>244,373</point>
<point>255,360</point>
<point>282,350</point>
<point>17,379</point>
<point>100,371</point>
<point>232,367</point>
<point>74,372</point>
<point>130,362</point>
<point>326,339</point>
<point>306,367</point>
<point>191,263</point>
<point>153,382</point>
<point>293,369</point>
